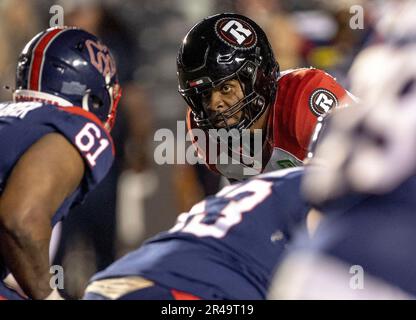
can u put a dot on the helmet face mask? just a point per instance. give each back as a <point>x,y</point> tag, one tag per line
<point>221,48</point>
<point>67,66</point>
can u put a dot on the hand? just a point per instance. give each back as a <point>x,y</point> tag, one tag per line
<point>12,284</point>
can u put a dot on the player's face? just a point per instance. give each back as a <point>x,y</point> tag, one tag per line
<point>220,99</point>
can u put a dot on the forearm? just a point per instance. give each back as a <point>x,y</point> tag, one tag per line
<point>25,252</point>
<point>47,174</point>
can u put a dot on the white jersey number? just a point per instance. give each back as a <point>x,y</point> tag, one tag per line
<point>87,139</point>
<point>215,216</point>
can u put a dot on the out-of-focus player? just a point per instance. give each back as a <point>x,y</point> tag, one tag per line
<point>55,147</point>
<point>364,248</point>
<point>230,79</point>
<point>226,247</point>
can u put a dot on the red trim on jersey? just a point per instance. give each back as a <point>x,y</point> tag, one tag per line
<point>90,116</point>
<point>81,112</point>
<point>2,298</point>
<point>180,295</point>
<point>38,56</point>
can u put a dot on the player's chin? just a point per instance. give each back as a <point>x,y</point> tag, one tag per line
<point>224,125</point>
<point>221,124</point>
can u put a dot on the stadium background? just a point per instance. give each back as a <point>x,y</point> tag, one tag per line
<point>139,197</point>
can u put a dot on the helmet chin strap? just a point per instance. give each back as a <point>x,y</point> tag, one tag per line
<point>31,95</point>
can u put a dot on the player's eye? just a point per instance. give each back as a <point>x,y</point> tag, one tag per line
<point>226,88</point>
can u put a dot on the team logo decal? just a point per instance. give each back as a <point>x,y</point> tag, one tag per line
<point>100,58</point>
<point>236,33</point>
<point>322,101</point>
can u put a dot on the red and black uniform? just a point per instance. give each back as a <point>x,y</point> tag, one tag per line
<point>302,96</point>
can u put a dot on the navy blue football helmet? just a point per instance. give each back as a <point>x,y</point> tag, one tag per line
<point>68,66</point>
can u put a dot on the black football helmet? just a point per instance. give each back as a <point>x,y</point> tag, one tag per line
<point>220,48</point>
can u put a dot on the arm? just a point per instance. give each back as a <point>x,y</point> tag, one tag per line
<point>40,181</point>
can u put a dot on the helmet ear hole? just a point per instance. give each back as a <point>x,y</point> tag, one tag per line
<point>248,70</point>
<point>95,102</point>
<point>91,102</point>
<point>80,46</point>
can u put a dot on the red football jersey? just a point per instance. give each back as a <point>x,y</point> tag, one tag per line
<point>302,96</point>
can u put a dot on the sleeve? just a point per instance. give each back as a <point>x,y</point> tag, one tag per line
<point>320,94</point>
<point>85,131</point>
<point>308,94</point>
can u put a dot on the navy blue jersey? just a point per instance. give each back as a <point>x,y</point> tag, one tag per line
<point>375,232</point>
<point>228,245</point>
<point>24,123</point>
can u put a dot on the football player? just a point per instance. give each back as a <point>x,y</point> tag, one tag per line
<point>55,147</point>
<point>225,247</point>
<point>364,248</point>
<point>230,79</point>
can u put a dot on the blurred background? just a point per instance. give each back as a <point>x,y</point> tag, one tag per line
<point>140,198</point>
